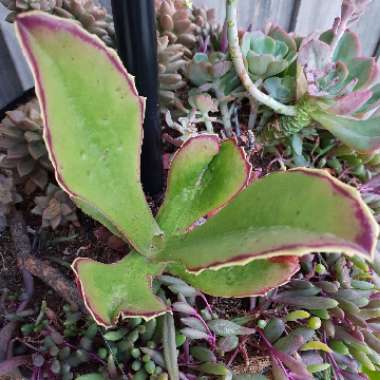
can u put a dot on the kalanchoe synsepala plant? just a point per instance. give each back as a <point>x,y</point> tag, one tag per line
<point>95,151</point>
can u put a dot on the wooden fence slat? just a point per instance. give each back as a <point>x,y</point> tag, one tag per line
<point>316,15</point>
<point>15,52</point>
<point>301,16</point>
<point>14,76</point>
<point>254,12</point>
<point>368,28</point>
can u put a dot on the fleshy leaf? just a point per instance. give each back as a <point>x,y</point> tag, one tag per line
<point>282,214</point>
<point>348,47</point>
<point>351,102</point>
<point>253,279</point>
<point>364,70</point>
<point>204,175</point>
<point>122,289</point>
<point>314,54</point>
<point>93,122</point>
<point>373,102</point>
<point>362,135</point>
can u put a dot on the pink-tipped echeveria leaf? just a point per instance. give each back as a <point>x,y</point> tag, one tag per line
<point>282,214</point>
<point>204,175</point>
<point>362,135</point>
<point>122,289</point>
<point>92,124</point>
<point>347,48</point>
<point>364,70</point>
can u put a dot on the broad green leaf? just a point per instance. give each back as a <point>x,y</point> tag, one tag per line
<point>93,123</point>
<point>253,279</point>
<point>362,135</point>
<point>282,214</point>
<point>120,289</point>
<point>204,176</point>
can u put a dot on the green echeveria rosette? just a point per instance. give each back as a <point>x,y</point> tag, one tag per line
<point>265,56</point>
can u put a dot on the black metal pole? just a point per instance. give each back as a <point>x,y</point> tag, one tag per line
<point>137,46</point>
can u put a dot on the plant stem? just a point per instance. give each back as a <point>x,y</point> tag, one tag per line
<point>237,59</point>
<point>223,103</point>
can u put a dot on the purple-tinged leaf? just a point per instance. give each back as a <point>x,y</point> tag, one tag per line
<point>184,308</point>
<point>348,47</point>
<point>365,70</point>
<point>296,366</point>
<point>9,365</point>
<point>222,327</point>
<point>351,103</point>
<point>372,104</point>
<point>314,55</point>
<point>194,334</point>
<point>194,323</point>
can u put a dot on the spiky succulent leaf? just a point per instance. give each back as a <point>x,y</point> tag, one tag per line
<point>362,135</point>
<point>283,214</point>
<point>255,278</point>
<point>95,149</point>
<point>122,289</point>
<point>204,175</point>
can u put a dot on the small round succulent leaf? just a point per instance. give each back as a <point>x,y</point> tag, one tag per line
<point>263,45</point>
<point>258,64</point>
<point>281,49</point>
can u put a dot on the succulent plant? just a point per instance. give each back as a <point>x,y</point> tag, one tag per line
<point>181,28</point>
<point>8,197</point>
<point>55,208</point>
<point>175,20</point>
<point>239,241</point>
<point>63,343</point>
<point>171,61</point>
<point>24,149</point>
<point>268,55</point>
<point>88,13</point>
